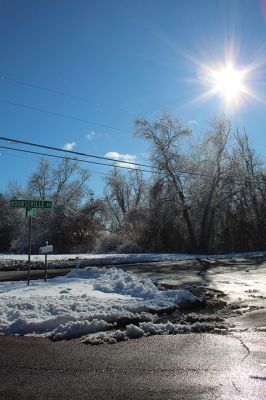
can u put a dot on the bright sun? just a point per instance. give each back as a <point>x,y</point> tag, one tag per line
<point>228,82</point>
<point>231,82</point>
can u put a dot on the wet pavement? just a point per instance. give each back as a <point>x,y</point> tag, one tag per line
<point>229,365</point>
<point>194,366</point>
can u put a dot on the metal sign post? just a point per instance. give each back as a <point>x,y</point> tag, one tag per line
<point>29,244</point>
<point>45,267</point>
<point>30,206</point>
<point>31,213</point>
<point>45,250</point>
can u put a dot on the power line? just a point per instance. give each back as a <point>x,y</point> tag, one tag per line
<point>12,103</point>
<point>12,140</point>
<point>113,160</point>
<point>152,169</point>
<point>65,94</point>
<point>17,141</point>
<point>71,158</point>
<point>34,159</point>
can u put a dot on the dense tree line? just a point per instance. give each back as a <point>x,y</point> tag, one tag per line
<point>206,194</point>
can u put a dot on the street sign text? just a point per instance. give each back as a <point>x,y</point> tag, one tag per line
<point>31,203</point>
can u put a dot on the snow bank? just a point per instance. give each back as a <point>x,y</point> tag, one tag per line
<point>85,302</point>
<point>148,329</point>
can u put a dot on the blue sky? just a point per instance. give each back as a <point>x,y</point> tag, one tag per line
<point>141,56</point>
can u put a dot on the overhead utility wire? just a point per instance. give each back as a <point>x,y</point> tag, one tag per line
<point>65,94</point>
<point>72,159</point>
<point>34,159</point>
<point>12,140</point>
<point>108,159</point>
<point>12,103</point>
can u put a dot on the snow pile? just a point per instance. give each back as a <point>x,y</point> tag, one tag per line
<point>118,281</point>
<point>148,329</point>
<point>86,302</point>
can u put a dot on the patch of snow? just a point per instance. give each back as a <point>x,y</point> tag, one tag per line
<point>84,302</point>
<point>134,332</point>
<point>148,329</point>
<point>78,328</point>
<point>126,283</point>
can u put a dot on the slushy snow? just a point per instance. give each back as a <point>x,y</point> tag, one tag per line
<point>87,302</point>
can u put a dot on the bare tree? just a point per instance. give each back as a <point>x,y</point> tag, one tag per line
<point>40,183</point>
<point>64,184</point>
<point>10,220</point>
<point>69,183</point>
<point>253,189</point>
<point>124,193</point>
<point>166,135</point>
<point>76,230</point>
<point>211,188</point>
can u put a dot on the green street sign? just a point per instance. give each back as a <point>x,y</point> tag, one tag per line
<point>31,212</point>
<point>31,203</point>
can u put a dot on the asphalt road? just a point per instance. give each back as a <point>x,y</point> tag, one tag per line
<point>35,274</point>
<point>195,366</point>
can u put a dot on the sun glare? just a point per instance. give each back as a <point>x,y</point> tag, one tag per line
<point>228,82</point>
<point>233,83</point>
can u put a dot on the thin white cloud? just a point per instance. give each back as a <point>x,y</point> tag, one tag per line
<point>123,157</point>
<point>69,146</point>
<point>91,135</point>
<point>193,122</point>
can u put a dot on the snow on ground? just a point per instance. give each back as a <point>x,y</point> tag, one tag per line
<point>103,259</point>
<point>147,329</point>
<point>109,305</point>
<point>87,301</point>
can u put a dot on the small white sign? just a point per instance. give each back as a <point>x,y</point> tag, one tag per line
<point>46,249</point>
